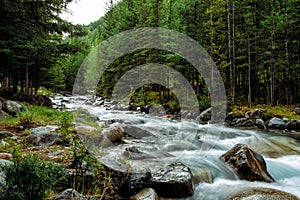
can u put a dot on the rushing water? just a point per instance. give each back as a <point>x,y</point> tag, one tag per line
<point>199,147</point>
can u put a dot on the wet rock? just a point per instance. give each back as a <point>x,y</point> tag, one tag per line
<point>145,194</point>
<point>260,124</point>
<point>136,180</point>
<point>69,194</point>
<point>258,114</point>
<point>229,117</point>
<point>276,123</point>
<point>261,194</point>
<point>293,125</point>
<point>205,115</point>
<point>5,134</point>
<point>12,107</point>
<point>247,164</point>
<point>3,114</point>
<point>112,134</point>
<point>244,122</point>
<point>136,132</point>
<point>135,154</point>
<point>173,181</point>
<point>43,136</point>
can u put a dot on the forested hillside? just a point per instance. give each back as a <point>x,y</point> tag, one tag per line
<point>255,45</point>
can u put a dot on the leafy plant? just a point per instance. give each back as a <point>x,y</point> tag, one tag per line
<point>30,178</point>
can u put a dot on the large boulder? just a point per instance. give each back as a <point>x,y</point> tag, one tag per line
<point>136,180</point>
<point>43,136</point>
<point>136,132</point>
<point>69,194</point>
<point>260,124</point>
<point>173,181</point>
<point>293,125</point>
<point>145,194</point>
<point>247,164</point>
<point>276,123</point>
<point>258,114</point>
<point>260,194</point>
<point>12,107</point>
<point>205,115</point>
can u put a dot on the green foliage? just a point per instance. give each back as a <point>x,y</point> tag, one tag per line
<point>31,178</point>
<point>25,118</point>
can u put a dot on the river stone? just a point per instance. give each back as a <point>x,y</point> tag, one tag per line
<point>229,117</point>
<point>145,194</point>
<point>247,164</point>
<point>3,115</point>
<point>136,132</point>
<point>276,123</point>
<point>173,181</point>
<point>43,136</point>
<point>69,194</point>
<point>12,107</point>
<point>205,115</point>
<point>136,180</point>
<point>5,134</point>
<point>114,133</point>
<point>260,124</point>
<point>258,114</point>
<point>293,125</point>
<point>114,165</point>
<point>261,194</point>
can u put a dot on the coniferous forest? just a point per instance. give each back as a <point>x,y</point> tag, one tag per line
<point>255,45</point>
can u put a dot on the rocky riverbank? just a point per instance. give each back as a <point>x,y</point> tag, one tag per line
<point>55,143</point>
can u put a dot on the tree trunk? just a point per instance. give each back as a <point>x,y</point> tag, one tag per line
<point>249,74</point>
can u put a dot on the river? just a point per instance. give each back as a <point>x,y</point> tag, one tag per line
<point>199,147</point>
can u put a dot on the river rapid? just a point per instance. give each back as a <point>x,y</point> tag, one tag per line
<point>198,146</point>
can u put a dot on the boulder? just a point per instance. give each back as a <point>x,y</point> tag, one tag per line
<point>293,125</point>
<point>173,181</point>
<point>258,114</point>
<point>3,114</point>
<point>260,194</point>
<point>276,123</point>
<point>115,165</point>
<point>205,115</point>
<point>43,136</point>
<point>145,194</point>
<point>69,194</point>
<point>12,107</point>
<point>136,180</point>
<point>260,124</point>
<point>5,134</point>
<point>136,132</point>
<point>244,122</point>
<point>134,153</point>
<point>229,117</point>
<point>247,164</point>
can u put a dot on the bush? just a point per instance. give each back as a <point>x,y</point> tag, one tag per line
<point>32,178</point>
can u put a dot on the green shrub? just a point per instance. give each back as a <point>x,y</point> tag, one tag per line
<point>32,178</point>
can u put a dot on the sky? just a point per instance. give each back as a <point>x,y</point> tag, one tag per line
<point>85,11</point>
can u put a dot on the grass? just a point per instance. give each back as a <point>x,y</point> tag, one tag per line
<point>282,111</point>
<point>38,115</point>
